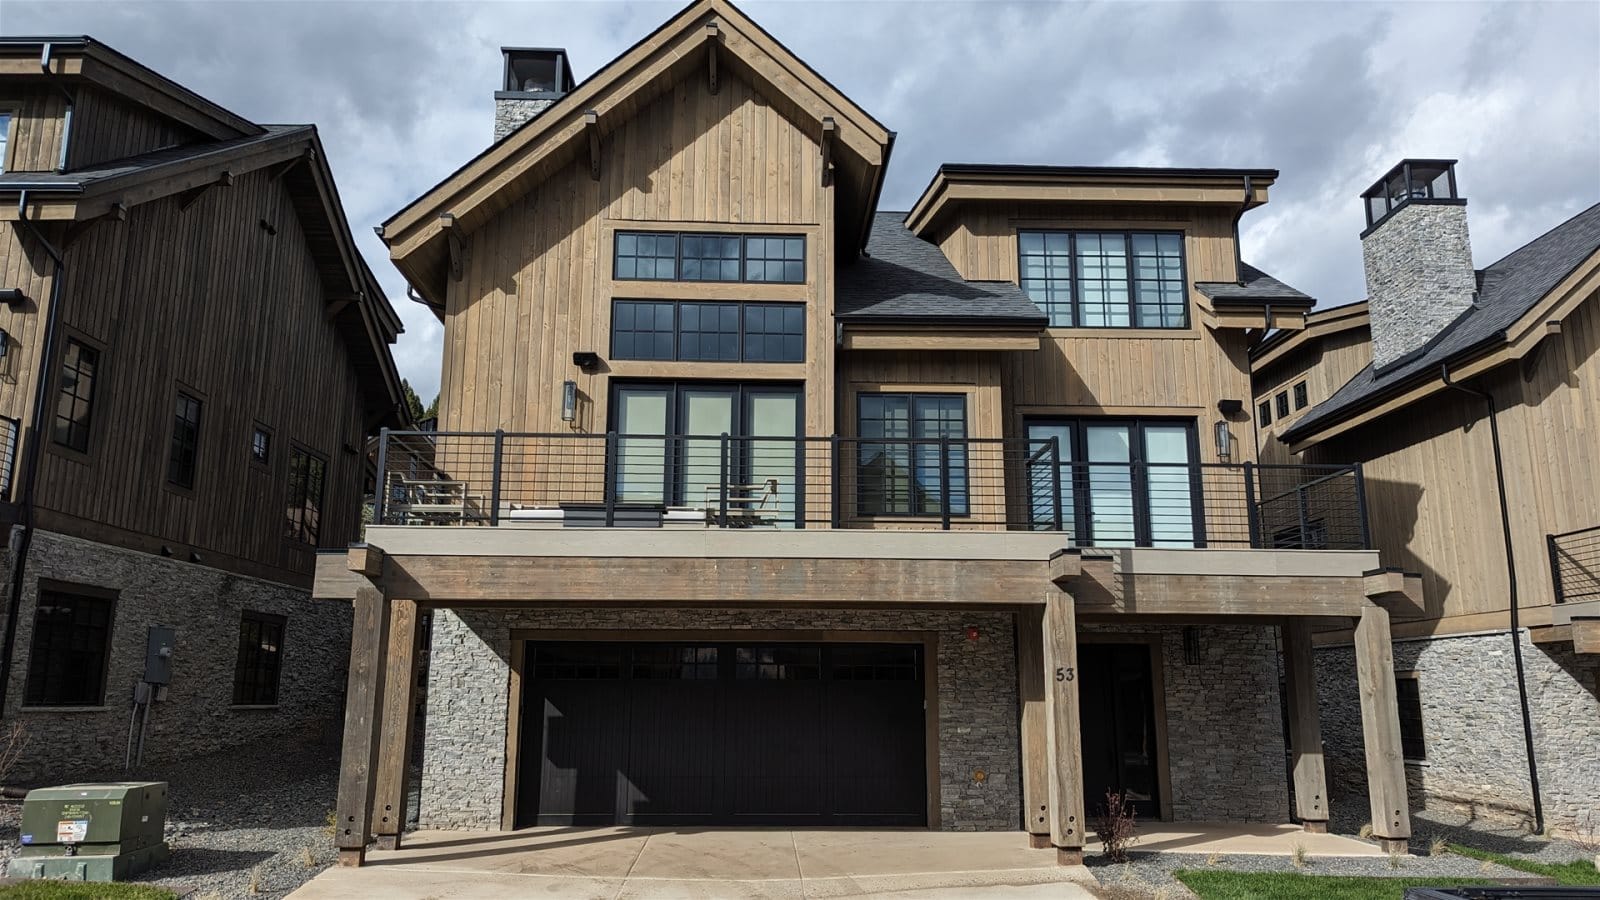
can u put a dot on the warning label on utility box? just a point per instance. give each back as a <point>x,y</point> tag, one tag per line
<point>72,831</point>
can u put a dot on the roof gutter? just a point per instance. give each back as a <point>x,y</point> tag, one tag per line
<point>1511,576</point>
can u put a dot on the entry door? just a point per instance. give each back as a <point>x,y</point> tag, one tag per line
<point>1124,483</point>
<point>1117,708</point>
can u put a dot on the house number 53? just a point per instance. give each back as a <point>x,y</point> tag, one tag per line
<point>1064,673</point>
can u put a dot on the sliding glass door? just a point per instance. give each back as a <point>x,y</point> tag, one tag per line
<point>1123,482</point>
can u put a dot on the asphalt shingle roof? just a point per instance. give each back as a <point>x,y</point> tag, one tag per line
<point>89,176</point>
<point>1258,287</point>
<point>1506,291</point>
<point>905,277</point>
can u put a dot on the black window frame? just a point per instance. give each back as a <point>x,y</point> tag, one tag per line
<point>1074,301</point>
<point>65,655</point>
<point>1302,395</point>
<point>745,256</point>
<point>258,670</point>
<point>183,449</point>
<point>874,503</point>
<point>1264,413</point>
<point>8,118</point>
<point>79,426</point>
<point>627,309</point>
<point>1281,404</point>
<point>1408,701</point>
<point>307,528</point>
<point>263,459</point>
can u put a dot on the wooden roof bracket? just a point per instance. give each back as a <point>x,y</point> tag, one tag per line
<point>458,249</point>
<point>188,198</point>
<point>712,36</point>
<point>287,166</point>
<point>591,125</point>
<point>337,303</point>
<point>830,133</point>
<point>116,212</point>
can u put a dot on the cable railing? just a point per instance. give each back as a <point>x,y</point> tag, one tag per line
<point>946,483</point>
<point>1575,564</point>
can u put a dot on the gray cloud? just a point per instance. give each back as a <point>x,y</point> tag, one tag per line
<point>1330,93</point>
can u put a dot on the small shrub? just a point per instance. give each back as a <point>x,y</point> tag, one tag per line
<point>1394,859</point>
<point>1116,827</point>
<point>330,826</point>
<point>255,880</point>
<point>1438,847</point>
<point>307,858</point>
<point>13,739</point>
<point>1213,858</point>
<point>1366,830</point>
<point>1299,855</point>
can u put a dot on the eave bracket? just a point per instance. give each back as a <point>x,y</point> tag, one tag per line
<point>591,125</point>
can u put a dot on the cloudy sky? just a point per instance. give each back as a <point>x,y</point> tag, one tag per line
<point>1331,94</point>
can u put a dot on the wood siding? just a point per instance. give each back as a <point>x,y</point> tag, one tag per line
<point>1324,369</point>
<point>106,127</point>
<point>24,264</point>
<point>38,128</point>
<point>206,299</point>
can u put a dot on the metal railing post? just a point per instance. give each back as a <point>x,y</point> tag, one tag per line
<point>1055,483</point>
<point>1361,507</point>
<point>494,486</point>
<point>380,495</point>
<point>723,483</point>
<point>1554,550</point>
<point>613,475</point>
<point>944,480</point>
<point>800,482</point>
<point>1252,515</point>
<point>834,515</point>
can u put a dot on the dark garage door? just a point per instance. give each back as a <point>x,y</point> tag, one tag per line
<point>721,733</point>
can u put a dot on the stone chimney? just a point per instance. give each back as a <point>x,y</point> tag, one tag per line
<point>1417,256</point>
<point>534,79</point>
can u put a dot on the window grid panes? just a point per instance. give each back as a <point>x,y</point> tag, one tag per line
<point>674,662</point>
<point>898,458</point>
<point>307,474</point>
<point>778,663</point>
<point>255,670</point>
<point>671,256</point>
<point>1096,279</point>
<point>67,659</point>
<point>75,403</point>
<point>1121,483</point>
<point>1264,413</point>
<point>580,662</point>
<point>1300,398</point>
<point>260,446</point>
<point>185,441</point>
<point>875,663</point>
<point>708,331</point>
<point>1282,403</point>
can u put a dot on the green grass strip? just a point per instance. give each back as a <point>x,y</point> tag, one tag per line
<point>1215,884</point>
<point>1581,872</point>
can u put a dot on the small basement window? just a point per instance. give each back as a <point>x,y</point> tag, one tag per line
<point>1408,696</point>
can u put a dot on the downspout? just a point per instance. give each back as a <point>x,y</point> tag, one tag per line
<point>66,131</point>
<point>1511,572</point>
<point>31,440</point>
<point>1238,251</point>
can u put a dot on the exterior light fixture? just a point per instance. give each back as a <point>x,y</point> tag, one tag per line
<point>569,401</point>
<point>8,356</point>
<point>587,360</point>
<point>972,632</point>
<point>1224,441</point>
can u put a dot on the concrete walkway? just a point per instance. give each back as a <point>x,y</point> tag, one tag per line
<point>1269,840</point>
<point>615,863</point>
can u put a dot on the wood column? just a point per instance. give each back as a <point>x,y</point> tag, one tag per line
<point>1035,732</point>
<point>1305,729</point>
<point>1064,750</point>
<point>399,716</point>
<point>1380,728</point>
<point>362,719</point>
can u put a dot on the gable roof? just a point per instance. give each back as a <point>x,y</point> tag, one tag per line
<point>903,278</point>
<point>1508,291</point>
<point>1257,287</point>
<point>1321,323</point>
<point>511,167</point>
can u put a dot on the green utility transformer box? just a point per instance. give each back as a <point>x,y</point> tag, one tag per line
<point>92,832</point>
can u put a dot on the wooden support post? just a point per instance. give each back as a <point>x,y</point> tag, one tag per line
<point>1380,727</point>
<point>399,714</point>
<point>1305,729</point>
<point>591,125</point>
<point>1035,735</point>
<point>458,247</point>
<point>830,133</point>
<point>1064,750</point>
<point>711,57</point>
<point>359,757</point>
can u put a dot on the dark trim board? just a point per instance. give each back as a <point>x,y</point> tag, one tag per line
<point>521,637</point>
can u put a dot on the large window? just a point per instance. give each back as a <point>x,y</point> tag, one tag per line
<point>307,474</point>
<point>185,441</point>
<point>71,642</point>
<point>80,365</point>
<point>671,256</point>
<point>256,668</point>
<point>900,468</point>
<point>5,136</point>
<point>1123,482</point>
<point>1105,279</point>
<point>1408,696</point>
<point>708,332</point>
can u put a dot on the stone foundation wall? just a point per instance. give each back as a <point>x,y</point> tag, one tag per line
<point>197,716</point>
<point>1472,727</point>
<point>469,680</point>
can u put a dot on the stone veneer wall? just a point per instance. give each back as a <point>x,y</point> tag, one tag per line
<point>1419,276</point>
<point>511,112</point>
<point>1472,729</point>
<point>468,682</point>
<point>203,604</point>
<point>1224,724</point>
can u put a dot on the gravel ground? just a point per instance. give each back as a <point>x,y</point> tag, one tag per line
<point>251,822</point>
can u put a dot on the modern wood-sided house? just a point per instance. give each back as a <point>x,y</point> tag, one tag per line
<point>193,355</point>
<point>1468,397</point>
<point>753,504</point>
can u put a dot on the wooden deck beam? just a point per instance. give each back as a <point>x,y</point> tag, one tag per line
<point>362,719</point>
<point>399,718</point>
<point>1064,747</point>
<point>1305,728</point>
<point>1380,728</point>
<point>1035,732</point>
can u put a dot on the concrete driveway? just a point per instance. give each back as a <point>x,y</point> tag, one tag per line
<point>615,863</point>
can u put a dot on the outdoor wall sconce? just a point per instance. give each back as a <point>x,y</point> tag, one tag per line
<point>13,296</point>
<point>569,401</point>
<point>1224,441</point>
<point>8,356</point>
<point>972,632</point>
<point>587,360</point>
